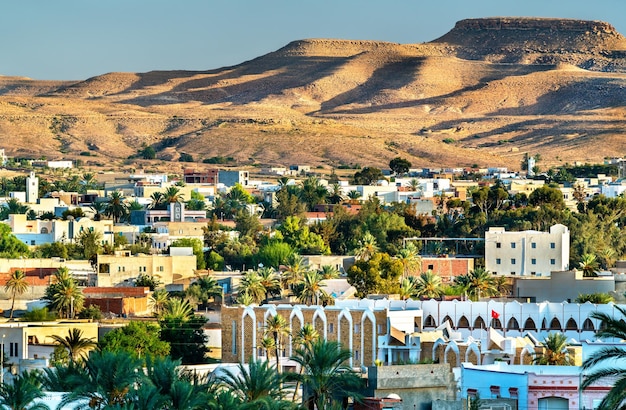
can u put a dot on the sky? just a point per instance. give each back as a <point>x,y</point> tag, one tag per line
<point>78,39</point>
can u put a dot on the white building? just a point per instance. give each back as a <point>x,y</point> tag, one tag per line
<point>527,252</point>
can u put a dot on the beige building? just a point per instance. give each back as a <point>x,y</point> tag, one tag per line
<point>371,329</point>
<point>124,268</point>
<point>527,253</point>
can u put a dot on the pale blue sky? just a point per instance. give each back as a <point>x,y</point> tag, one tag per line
<point>78,39</point>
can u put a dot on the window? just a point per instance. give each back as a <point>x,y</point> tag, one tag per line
<point>513,261</point>
<point>261,352</point>
<point>498,245</point>
<point>512,273</point>
<point>357,328</point>
<point>512,245</point>
<point>331,327</point>
<point>552,261</point>
<point>234,338</point>
<point>431,267</point>
<point>552,245</point>
<point>380,329</point>
<point>498,261</point>
<point>104,268</point>
<point>533,245</point>
<point>533,261</point>
<point>533,273</point>
<point>32,242</point>
<point>356,355</point>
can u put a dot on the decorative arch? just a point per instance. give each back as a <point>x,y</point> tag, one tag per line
<point>571,324</point>
<point>513,324</point>
<point>296,315</point>
<point>345,318</point>
<point>369,357</point>
<point>247,349</point>
<point>463,323</point>
<point>479,323</point>
<point>555,324</point>
<point>588,325</point>
<point>526,355</point>
<point>452,349</point>
<point>496,323</point>
<point>472,352</point>
<point>448,319</point>
<point>529,324</point>
<point>439,343</point>
<point>544,324</point>
<point>430,321</point>
<point>320,322</point>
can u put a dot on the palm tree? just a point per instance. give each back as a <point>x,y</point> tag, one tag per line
<point>177,309</point>
<point>354,197</point>
<point>589,265</point>
<point>63,295</point>
<point>158,300</point>
<point>270,281</point>
<point>295,269</point>
<point>116,207</point>
<point>478,283</point>
<point>256,381</point>
<point>76,345</point>
<point>428,285</point>
<point>606,359</point>
<point>336,194</point>
<point>304,337</point>
<point>22,392</point>
<point>329,272</point>
<point>367,248</point>
<point>251,284</point>
<point>16,285</point>
<point>411,261</point>
<point>326,372</point>
<point>313,192</point>
<point>172,194</point>
<point>205,288</point>
<point>554,351</point>
<point>158,201</point>
<point>311,284</point>
<point>99,208</point>
<point>276,327</point>
<point>109,379</point>
<point>177,386</point>
<point>407,288</point>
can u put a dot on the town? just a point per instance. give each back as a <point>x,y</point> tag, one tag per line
<point>421,288</point>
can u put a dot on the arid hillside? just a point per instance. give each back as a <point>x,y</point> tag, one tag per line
<point>485,93</point>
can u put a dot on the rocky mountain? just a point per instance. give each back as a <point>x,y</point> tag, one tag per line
<point>485,93</point>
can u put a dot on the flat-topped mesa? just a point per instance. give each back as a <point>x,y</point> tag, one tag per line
<point>535,34</point>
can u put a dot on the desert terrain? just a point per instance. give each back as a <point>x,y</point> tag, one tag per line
<point>486,93</point>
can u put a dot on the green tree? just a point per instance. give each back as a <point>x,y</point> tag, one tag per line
<point>595,298</point>
<point>606,363</point>
<point>63,294</point>
<point>116,207</point>
<point>16,285</point>
<point>311,288</point>
<point>90,241</point>
<point>547,195</point>
<point>300,237</point>
<point>313,193</point>
<point>428,285</point>
<point>379,274</point>
<point>255,383</point>
<point>399,166</point>
<point>251,284</point>
<point>477,284</point>
<point>76,345</point>
<point>589,265</point>
<point>197,247</point>
<point>277,328</point>
<point>327,374</point>
<point>158,301</point>
<point>21,393</point>
<point>148,152</point>
<point>553,351</point>
<point>139,339</point>
<point>204,289</point>
<point>10,246</point>
<point>275,253</point>
<point>367,247</point>
<point>184,332</point>
<point>367,176</point>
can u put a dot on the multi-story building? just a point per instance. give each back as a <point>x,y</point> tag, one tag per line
<point>527,252</point>
<point>122,268</point>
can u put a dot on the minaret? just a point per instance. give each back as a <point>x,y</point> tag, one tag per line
<point>32,188</point>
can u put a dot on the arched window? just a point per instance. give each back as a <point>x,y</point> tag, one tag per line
<point>430,321</point>
<point>463,323</point>
<point>479,323</point>
<point>588,325</point>
<point>544,324</point>
<point>530,324</point>
<point>44,230</point>
<point>496,324</point>
<point>513,324</point>
<point>555,324</point>
<point>571,324</point>
<point>449,320</point>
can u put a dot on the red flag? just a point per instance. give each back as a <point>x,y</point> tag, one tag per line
<point>494,314</point>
